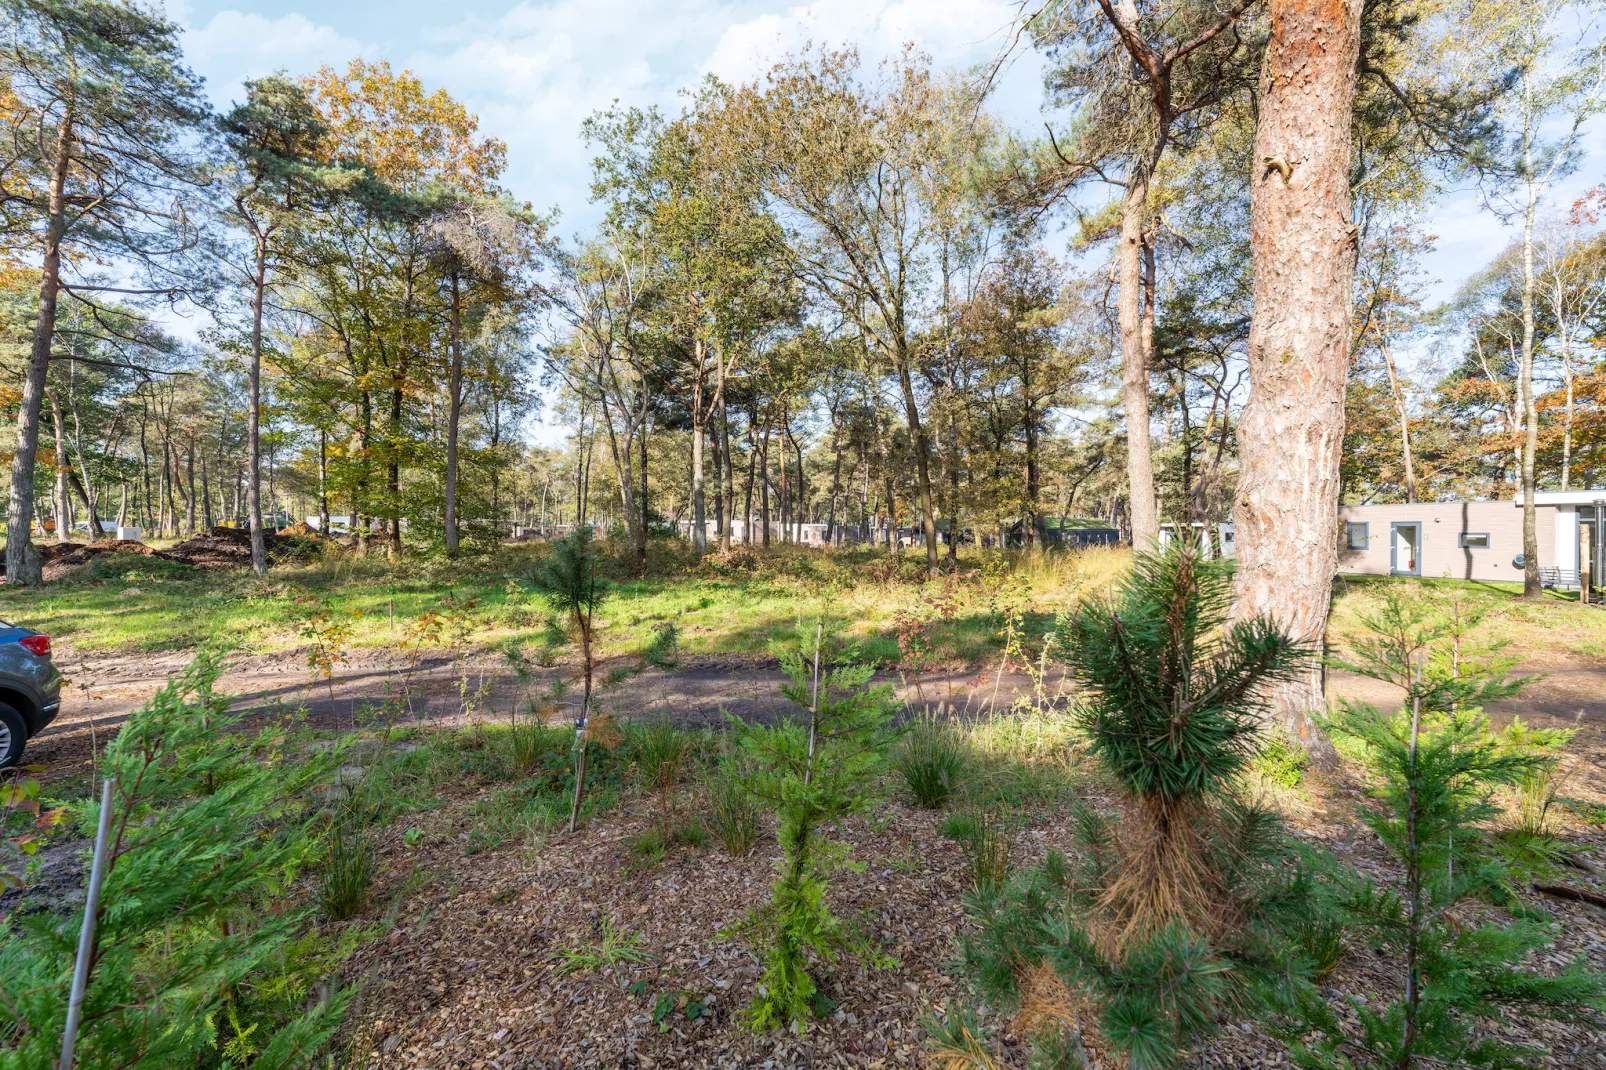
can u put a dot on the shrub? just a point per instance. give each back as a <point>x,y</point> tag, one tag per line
<point>663,648</point>
<point>984,837</point>
<point>931,761</point>
<point>660,751</point>
<point>348,871</point>
<point>198,947</point>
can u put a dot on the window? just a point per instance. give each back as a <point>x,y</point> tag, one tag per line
<point>1474,540</point>
<point>1356,536</point>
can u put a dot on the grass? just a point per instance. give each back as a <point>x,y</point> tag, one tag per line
<point>612,949</point>
<point>931,761</point>
<point>733,812</point>
<point>130,604</point>
<point>736,606</point>
<point>1539,630</point>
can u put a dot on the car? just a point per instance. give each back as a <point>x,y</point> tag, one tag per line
<point>30,689</point>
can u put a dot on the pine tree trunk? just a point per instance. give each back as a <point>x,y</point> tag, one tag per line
<point>1292,431</point>
<point>63,503</point>
<point>454,414</point>
<point>24,567</point>
<point>1531,587</point>
<point>253,493</point>
<point>1135,359</point>
<point>699,535</point>
<point>728,475</point>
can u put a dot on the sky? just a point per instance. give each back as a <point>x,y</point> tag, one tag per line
<point>533,70</point>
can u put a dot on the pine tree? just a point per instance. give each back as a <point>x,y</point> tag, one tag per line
<point>104,114</point>
<point>810,771</point>
<point>1436,765</point>
<point>210,829</point>
<point>1192,899</point>
<point>575,588</point>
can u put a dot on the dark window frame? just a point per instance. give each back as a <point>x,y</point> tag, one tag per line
<point>1461,540</point>
<point>1365,542</point>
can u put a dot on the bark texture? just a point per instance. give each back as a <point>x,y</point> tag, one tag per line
<point>1135,359</point>
<point>23,563</point>
<point>1292,430</point>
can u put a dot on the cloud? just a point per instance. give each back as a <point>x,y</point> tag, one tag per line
<point>953,32</point>
<point>237,45</point>
<point>534,73</point>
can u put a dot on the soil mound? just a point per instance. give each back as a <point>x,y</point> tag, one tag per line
<point>231,547</point>
<point>65,559</point>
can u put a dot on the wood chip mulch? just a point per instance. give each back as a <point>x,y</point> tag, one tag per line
<point>467,976</point>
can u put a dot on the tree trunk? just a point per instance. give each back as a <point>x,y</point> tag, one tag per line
<point>23,564</point>
<point>1567,416</point>
<point>63,498</point>
<point>189,476</point>
<point>206,498</point>
<point>836,475</point>
<point>1405,423</point>
<point>917,437</point>
<point>801,510</point>
<point>253,493</point>
<point>454,411</point>
<point>1135,357</point>
<point>1291,433</point>
<point>747,482</point>
<point>393,549</point>
<point>728,474</point>
<point>1531,587</point>
<point>699,535</point>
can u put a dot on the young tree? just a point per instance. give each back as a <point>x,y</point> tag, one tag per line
<point>1437,765</point>
<point>1302,243</point>
<point>1191,897</point>
<point>102,115</point>
<point>810,771</point>
<point>575,588</point>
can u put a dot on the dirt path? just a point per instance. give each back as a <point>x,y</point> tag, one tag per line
<point>102,691</point>
<point>371,686</point>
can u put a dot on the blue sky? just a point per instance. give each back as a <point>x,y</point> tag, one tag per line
<point>533,70</point>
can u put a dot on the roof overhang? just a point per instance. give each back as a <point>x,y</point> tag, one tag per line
<point>1565,497</point>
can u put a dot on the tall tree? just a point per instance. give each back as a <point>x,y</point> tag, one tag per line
<point>277,140</point>
<point>1291,434</point>
<point>855,168</point>
<point>102,113</point>
<point>1554,91</point>
<point>1181,60</point>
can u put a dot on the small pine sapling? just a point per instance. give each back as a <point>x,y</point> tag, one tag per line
<point>810,771</point>
<point>1179,907</point>
<point>1436,766</point>
<point>573,586</point>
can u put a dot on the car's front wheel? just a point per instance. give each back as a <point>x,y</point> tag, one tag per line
<point>13,736</point>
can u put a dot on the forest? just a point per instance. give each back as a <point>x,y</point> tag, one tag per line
<point>748,627</point>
